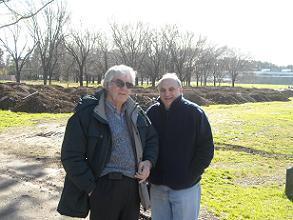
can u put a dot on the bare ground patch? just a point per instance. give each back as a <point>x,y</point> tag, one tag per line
<point>31,175</point>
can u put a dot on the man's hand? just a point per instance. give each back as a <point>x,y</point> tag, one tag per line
<point>144,168</point>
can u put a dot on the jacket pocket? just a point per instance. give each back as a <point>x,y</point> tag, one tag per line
<point>73,202</point>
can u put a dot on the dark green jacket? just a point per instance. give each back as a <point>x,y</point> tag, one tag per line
<point>87,147</point>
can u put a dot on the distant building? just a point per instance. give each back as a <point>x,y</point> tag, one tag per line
<point>283,77</point>
<point>265,70</point>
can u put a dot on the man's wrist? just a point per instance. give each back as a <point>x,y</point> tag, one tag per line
<point>149,163</point>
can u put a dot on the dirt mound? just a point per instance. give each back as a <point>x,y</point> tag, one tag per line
<point>40,98</point>
<point>56,99</point>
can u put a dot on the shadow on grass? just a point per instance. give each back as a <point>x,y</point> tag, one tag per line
<point>222,146</point>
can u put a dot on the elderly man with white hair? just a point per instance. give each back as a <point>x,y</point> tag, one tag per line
<point>108,150</point>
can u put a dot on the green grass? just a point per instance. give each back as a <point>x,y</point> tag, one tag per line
<point>18,119</point>
<point>262,126</point>
<point>258,86</point>
<point>239,185</point>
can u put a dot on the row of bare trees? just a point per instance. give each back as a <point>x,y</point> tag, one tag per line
<point>52,50</point>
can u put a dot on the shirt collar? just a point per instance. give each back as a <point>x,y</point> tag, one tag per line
<point>109,106</point>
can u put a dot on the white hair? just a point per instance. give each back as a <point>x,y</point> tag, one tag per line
<point>172,76</point>
<point>118,70</point>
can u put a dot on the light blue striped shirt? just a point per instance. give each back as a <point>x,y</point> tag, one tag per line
<point>122,155</point>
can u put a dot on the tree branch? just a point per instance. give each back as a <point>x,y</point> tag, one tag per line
<point>24,16</point>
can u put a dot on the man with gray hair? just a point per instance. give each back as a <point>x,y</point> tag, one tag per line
<point>108,150</point>
<point>185,150</point>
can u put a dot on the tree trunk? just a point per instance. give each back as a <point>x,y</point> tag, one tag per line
<point>233,83</point>
<point>197,81</point>
<point>99,79</point>
<point>17,76</point>
<point>50,79</point>
<point>86,80</point>
<point>154,82</point>
<point>45,78</point>
<point>136,81</point>
<point>81,79</point>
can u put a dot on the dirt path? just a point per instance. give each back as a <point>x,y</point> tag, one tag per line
<point>29,189</point>
<point>31,176</point>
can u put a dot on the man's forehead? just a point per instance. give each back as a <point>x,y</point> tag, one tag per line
<point>167,83</point>
<point>122,76</point>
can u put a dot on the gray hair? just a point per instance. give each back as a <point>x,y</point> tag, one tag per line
<point>169,76</point>
<point>118,70</point>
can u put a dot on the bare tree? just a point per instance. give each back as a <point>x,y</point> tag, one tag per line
<point>182,54</point>
<point>235,63</point>
<point>2,64</point>
<point>171,33</point>
<point>217,64</point>
<point>207,64</point>
<point>19,53</point>
<point>47,32</point>
<point>1,57</point>
<point>155,55</point>
<point>131,41</point>
<point>18,16</point>
<point>102,56</point>
<point>79,45</point>
<point>219,71</point>
<point>193,55</point>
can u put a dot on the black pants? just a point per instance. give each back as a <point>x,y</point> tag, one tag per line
<point>115,198</point>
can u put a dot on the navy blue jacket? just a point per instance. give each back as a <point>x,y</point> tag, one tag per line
<point>186,145</point>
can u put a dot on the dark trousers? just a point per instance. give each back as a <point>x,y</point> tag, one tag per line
<point>115,197</point>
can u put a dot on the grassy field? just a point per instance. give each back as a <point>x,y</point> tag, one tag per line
<point>242,185</point>
<point>73,84</point>
<point>239,184</point>
<point>265,127</point>
<point>258,86</point>
<point>16,119</point>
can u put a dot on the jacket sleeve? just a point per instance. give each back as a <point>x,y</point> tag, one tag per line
<point>151,148</point>
<point>204,149</point>
<point>73,155</point>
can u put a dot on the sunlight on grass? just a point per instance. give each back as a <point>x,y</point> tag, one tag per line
<point>263,126</point>
<point>225,194</point>
<point>240,185</point>
<point>17,119</point>
<point>258,86</point>
<point>237,185</point>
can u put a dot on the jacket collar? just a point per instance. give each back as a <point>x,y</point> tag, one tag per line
<point>174,103</point>
<point>131,107</point>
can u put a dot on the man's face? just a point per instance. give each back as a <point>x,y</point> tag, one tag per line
<point>119,89</point>
<point>169,90</point>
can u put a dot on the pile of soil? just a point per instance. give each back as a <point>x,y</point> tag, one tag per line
<point>21,97</point>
